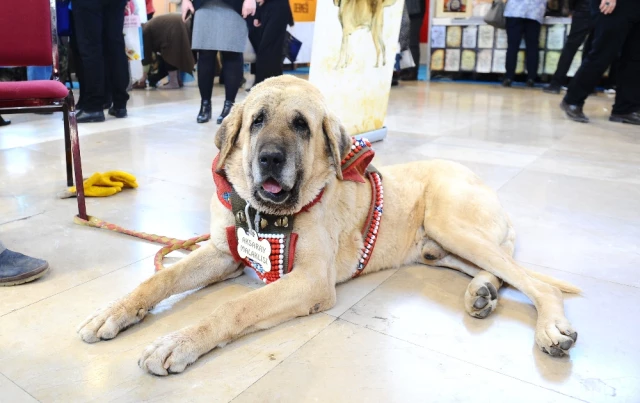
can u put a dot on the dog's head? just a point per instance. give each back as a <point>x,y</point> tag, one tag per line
<point>281,146</point>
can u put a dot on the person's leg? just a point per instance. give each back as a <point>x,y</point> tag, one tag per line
<point>608,38</point>
<point>415,25</point>
<point>16,268</point>
<point>515,27</point>
<point>269,53</point>
<point>580,29</point>
<point>118,62</point>
<point>87,18</point>
<point>4,122</point>
<point>531,35</point>
<point>207,60</point>
<point>233,69</point>
<point>628,76</point>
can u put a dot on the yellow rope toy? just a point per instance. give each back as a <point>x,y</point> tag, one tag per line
<point>104,184</point>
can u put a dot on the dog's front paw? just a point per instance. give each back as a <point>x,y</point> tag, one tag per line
<point>169,354</point>
<point>481,298</point>
<point>555,336</point>
<point>106,323</point>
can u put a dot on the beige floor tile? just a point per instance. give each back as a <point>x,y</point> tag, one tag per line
<point>570,194</point>
<point>51,362</point>
<point>423,306</point>
<point>11,393</point>
<point>347,363</point>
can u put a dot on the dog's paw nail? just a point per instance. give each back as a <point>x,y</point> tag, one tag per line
<point>574,336</point>
<point>480,303</point>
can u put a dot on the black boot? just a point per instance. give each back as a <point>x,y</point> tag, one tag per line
<point>205,111</point>
<point>225,111</point>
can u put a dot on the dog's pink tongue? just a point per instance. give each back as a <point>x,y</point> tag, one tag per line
<point>272,186</point>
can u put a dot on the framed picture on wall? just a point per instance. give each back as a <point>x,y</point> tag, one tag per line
<point>453,8</point>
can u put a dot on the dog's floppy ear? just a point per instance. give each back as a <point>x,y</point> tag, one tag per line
<point>227,135</point>
<point>338,141</point>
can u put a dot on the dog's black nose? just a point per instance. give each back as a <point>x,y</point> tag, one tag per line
<point>271,158</point>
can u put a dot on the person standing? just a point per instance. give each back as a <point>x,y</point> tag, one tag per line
<point>16,268</point>
<point>98,28</point>
<point>524,17</point>
<point>272,18</point>
<point>617,32</point>
<point>219,26</point>
<point>581,27</point>
<point>416,10</point>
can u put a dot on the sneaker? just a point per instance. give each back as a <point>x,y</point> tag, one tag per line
<point>16,268</point>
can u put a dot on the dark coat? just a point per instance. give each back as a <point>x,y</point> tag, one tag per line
<point>168,35</point>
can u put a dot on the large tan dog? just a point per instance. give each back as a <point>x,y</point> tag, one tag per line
<point>356,14</point>
<point>280,149</point>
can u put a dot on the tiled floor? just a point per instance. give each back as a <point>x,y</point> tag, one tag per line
<point>573,192</point>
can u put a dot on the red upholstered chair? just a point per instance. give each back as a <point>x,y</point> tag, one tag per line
<point>28,37</point>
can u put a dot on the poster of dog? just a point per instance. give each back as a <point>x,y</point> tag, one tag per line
<point>353,56</point>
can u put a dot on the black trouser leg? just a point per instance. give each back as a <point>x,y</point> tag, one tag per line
<point>608,37</point>
<point>628,74</point>
<point>269,53</point>
<point>117,63</point>
<point>77,59</point>
<point>581,26</point>
<point>515,29</point>
<point>87,19</point>
<point>232,67</point>
<point>206,72</point>
<point>415,25</point>
<point>531,35</point>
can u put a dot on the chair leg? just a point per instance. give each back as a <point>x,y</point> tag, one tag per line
<point>67,145</point>
<point>77,161</point>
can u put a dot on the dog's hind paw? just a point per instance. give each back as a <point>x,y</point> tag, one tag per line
<point>169,354</point>
<point>480,299</point>
<point>555,337</point>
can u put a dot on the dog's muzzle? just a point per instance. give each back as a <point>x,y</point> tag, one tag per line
<point>274,168</point>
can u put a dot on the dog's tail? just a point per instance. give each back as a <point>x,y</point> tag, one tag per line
<point>562,285</point>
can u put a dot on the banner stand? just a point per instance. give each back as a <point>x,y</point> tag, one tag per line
<point>373,135</point>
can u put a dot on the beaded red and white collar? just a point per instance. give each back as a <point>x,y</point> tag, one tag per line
<point>277,230</point>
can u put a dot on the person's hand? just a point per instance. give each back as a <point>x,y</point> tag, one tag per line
<point>607,6</point>
<point>187,6</point>
<point>248,8</point>
<point>256,23</point>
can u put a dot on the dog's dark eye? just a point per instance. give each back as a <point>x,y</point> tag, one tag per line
<point>300,123</point>
<point>258,120</point>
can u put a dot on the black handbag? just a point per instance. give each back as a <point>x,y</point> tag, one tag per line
<point>291,47</point>
<point>495,15</point>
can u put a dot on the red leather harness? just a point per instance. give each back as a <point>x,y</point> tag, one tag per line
<point>277,230</point>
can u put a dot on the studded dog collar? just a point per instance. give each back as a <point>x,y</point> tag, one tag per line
<point>266,242</point>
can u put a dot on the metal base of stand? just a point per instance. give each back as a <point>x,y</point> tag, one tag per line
<point>374,135</point>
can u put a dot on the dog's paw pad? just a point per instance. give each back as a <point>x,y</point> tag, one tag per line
<point>481,299</point>
<point>556,338</point>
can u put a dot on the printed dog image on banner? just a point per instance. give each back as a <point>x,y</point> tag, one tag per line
<point>353,55</point>
<point>357,14</point>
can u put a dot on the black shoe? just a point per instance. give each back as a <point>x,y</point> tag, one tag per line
<point>118,112</point>
<point>632,118</point>
<point>205,111</point>
<point>90,117</point>
<point>410,74</point>
<point>107,105</point>
<point>531,83</point>
<point>552,89</point>
<point>4,122</point>
<point>225,111</point>
<point>506,82</point>
<point>574,112</point>
<point>16,268</point>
